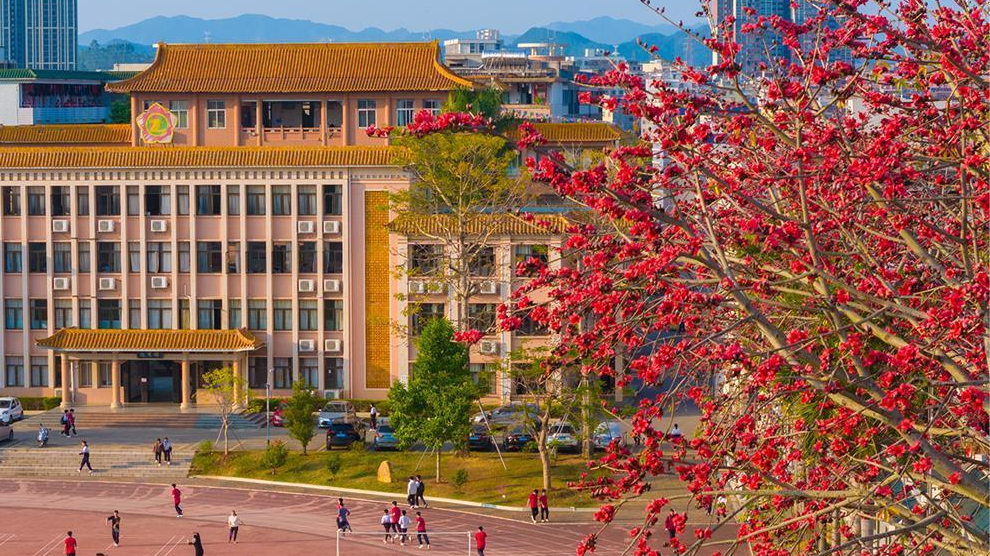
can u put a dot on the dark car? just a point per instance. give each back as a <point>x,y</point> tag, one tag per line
<point>343,434</point>
<point>480,439</point>
<point>517,438</point>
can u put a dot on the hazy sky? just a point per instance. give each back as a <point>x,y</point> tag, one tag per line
<point>510,16</point>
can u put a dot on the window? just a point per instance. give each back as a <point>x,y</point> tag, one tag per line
<point>367,111</point>
<point>37,257</point>
<point>208,200</point>
<point>184,314</point>
<point>39,314</point>
<point>307,315</point>
<point>12,257</point>
<point>307,200</point>
<point>36,201</point>
<point>12,201</point>
<point>256,200</point>
<point>62,257</point>
<point>257,255</point>
<point>85,314</point>
<point>257,314</point>
<point>333,257</point>
<point>483,375</point>
<point>180,109</point>
<point>333,200</point>
<point>82,200</point>
<point>107,200</point>
<point>424,260</point>
<point>258,372</point>
<point>183,256</point>
<point>133,256</point>
<point>234,314</point>
<point>524,252</point>
<point>309,371</point>
<point>424,313</point>
<point>105,370</point>
<point>108,256</point>
<point>13,314</point>
<point>334,373</point>
<point>159,257</point>
<point>84,256</point>
<point>481,316</point>
<point>282,258</point>
<point>157,200</point>
<point>39,371</point>
<point>63,313</point>
<point>233,200</point>
<point>529,327</point>
<point>432,105</point>
<point>282,372</point>
<point>61,201</point>
<point>134,314</point>
<point>85,374</point>
<point>404,111</point>
<point>233,257</point>
<point>15,371</point>
<point>133,200</point>
<point>209,257</point>
<point>333,315</point>
<point>209,313</point>
<point>159,314</point>
<point>108,313</point>
<point>483,262</point>
<point>282,316</point>
<point>182,200</point>
<point>216,114</point>
<point>281,200</point>
<point>307,257</point>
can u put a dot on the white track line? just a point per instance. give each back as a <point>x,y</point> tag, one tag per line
<point>164,546</point>
<point>45,546</point>
<point>177,543</point>
<point>6,538</point>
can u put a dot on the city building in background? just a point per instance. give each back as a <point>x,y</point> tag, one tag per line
<point>34,97</point>
<point>468,53</point>
<point>39,34</point>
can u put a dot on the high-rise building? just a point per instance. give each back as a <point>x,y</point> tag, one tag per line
<point>756,48</point>
<point>39,34</point>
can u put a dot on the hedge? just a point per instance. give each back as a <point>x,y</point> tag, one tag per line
<point>257,405</point>
<point>40,404</point>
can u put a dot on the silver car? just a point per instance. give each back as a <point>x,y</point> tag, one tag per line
<point>562,435</point>
<point>515,413</point>
<point>6,430</point>
<point>342,412</point>
<point>12,408</point>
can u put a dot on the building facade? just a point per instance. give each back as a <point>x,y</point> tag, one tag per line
<point>39,34</point>
<point>41,97</point>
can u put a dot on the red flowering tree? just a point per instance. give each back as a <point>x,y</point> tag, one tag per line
<point>805,261</point>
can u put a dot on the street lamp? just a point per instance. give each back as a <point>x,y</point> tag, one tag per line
<point>268,409</point>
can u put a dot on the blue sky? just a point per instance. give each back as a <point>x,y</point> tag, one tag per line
<point>511,16</point>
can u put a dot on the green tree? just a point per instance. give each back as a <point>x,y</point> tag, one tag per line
<point>120,112</point>
<point>483,100</point>
<point>435,407</point>
<point>227,390</point>
<point>299,414</point>
<point>333,464</point>
<point>275,456</point>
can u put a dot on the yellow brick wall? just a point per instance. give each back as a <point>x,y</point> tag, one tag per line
<point>376,288</point>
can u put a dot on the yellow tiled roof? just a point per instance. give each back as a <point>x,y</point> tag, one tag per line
<point>578,132</point>
<point>497,225</point>
<point>294,68</point>
<point>65,134</point>
<point>193,157</point>
<point>76,339</point>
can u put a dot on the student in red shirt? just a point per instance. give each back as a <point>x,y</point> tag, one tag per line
<point>70,544</point>
<point>534,504</point>
<point>395,512</point>
<point>177,498</point>
<point>421,537</point>
<point>670,525</point>
<point>480,540</point>
<point>544,507</point>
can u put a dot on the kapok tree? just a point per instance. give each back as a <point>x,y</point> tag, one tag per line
<point>806,262</point>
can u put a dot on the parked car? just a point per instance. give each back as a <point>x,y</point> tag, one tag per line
<point>516,438</point>
<point>562,435</point>
<point>343,435</point>
<point>278,416</point>
<point>6,430</point>
<point>12,408</point>
<point>514,413</point>
<point>606,432</point>
<point>385,438</point>
<point>480,438</point>
<point>338,412</point>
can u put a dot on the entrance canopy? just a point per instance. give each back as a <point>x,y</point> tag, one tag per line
<point>69,340</point>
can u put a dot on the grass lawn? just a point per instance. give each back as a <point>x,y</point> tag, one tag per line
<point>487,480</point>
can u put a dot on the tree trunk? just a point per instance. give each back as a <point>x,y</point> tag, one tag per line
<point>544,458</point>
<point>585,419</point>
<point>438,464</point>
<point>226,446</point>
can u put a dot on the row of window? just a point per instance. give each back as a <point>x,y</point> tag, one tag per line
<point>428,259</point>
<point>211,257</point>
<point>480,316</point>
<point>158,200</point>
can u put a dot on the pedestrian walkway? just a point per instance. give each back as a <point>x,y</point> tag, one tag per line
<point>23,459</point>
<point>145,417</point>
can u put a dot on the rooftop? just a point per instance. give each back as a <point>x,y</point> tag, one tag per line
<point>79,340</point>
<point>22,74</point>
<point>294,68</point>
<point>499,225</point>
<point>65,134</point>
<point>558,134</point>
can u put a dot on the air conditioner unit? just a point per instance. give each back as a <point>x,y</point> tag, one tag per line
<point>60,226</point>
<point>307,286</point>
<point>307,345</point>
<point>159,226</point>
<point>108,283</point>
<point>105,226</point>
<point>488,347</point>
<point>59,284</point>
<point>331,286</point>
<point>417,287</point>
<point>306,227</point>
<point>333,394</point>
<point>331,227</point>
<point>333,346</point>
<point>488,287</point>
<point>159,282</point>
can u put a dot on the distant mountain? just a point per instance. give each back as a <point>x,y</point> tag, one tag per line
<point>669,46</point>
<point>609,30</point>
<point>574,44</point>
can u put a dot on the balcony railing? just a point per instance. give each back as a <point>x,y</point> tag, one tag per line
<point>292,135</point>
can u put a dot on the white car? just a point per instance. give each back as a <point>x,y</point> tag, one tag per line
<point>608,431</point>
<point>562,436</point>
<point>11,409</point>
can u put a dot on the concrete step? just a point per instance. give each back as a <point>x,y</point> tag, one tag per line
<point>123,419</point>
<point>111,462</point>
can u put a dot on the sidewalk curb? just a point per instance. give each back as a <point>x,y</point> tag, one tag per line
<point>361,492</point>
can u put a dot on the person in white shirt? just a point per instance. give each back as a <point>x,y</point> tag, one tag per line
<point>374,418</point>
<point>411,491</point>
<point>387,524</point>
<point>675,432</point>
<point>234,522</point>
<point>404,523</point>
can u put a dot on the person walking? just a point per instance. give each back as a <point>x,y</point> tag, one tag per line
<point>374,418</point>
<point>177,499</point>
<point>167,450</point>
<point>544,507</point>
<point>411,491</point>
<point>421,537</point>
<point>234,522</point>
<point>420,490</point>
<point>72,421</point>
<point>42,435</point>
<point>481,540</point>
<point>387,524</point>
<point>721,506</point>
<point>395,512</point>
<point>64,421</point>
<point>158,450</point>
<point>70,544</point>
<point>670,524</point>
<point>85,458</point>
<point>114,522</point>
<point>534,504</point>
<point>343,523</point>
<point>197,544</point>
<point>404,523</point>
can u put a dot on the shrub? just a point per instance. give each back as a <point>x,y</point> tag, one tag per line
<point>40,404</point>
<point>358,446</point>
<point>459,479</point>
<point>333,464</point>
<point>275,456</point>
<point>205,446</point>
